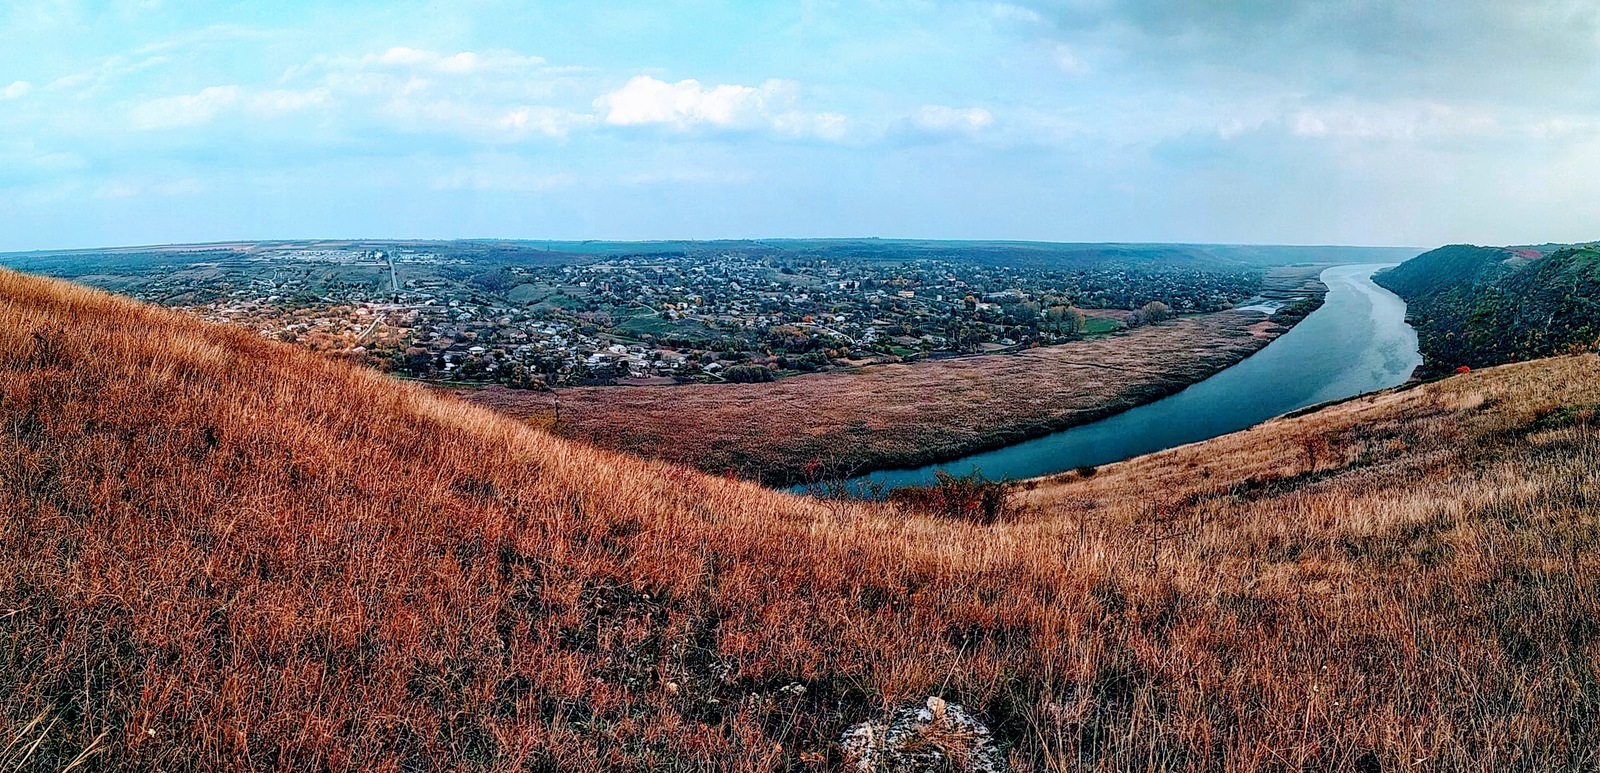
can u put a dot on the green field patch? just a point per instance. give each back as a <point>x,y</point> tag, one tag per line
<point>1098,325</point>
<point>655,324</point>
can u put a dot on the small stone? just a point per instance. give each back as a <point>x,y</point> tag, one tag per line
<point>936,736</point>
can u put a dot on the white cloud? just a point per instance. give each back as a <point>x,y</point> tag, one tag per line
<point>548,121</point>
<point>184,110</point>
<point>422,61</point>
<point>105,75</point>
<point>645,100</point>
<point>212,102</point>
<point>290,100</point>
<point>1068,60</point>
<point>1565,128</point>
<point>827,126</point>
<point>25,159</point>
<point>463,63</point>
<point>1403,120</point>
<point>16,90</point>
<point>940,118</point>
<point>1017,13</point>
<point>492,97</point>
<point>773,106</point>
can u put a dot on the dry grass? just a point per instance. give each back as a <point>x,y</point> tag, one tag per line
<point>891,416</point>
<point>1410,575</point>
<point>220,553</point>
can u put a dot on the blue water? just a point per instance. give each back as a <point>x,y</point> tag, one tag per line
<point>1357,342</point>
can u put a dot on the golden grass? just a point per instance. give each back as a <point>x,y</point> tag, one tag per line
<point>222,553</point>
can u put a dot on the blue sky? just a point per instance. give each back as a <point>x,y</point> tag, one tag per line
<point>1354,121</point>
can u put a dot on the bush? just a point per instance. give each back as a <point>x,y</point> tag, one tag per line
<point>1156,311</point>
<point>969,497</point>
<point>749,374</point>
<point>810,361</point>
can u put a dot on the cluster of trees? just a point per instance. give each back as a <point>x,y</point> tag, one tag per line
<point>1298,310</point>
<point>496,281</point>
<point>1149,314</point>
<point>749,374</point>
<point>1063,321</point>
<point>538,372</point>
<point>807,362</point>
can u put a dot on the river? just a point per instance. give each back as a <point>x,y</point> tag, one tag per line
<point>1357,342</point>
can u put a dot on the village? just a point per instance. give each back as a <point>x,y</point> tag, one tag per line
<point>713,315</point>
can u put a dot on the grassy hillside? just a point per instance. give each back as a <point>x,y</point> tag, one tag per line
<point>1477,306</point>
<point>220,553</point>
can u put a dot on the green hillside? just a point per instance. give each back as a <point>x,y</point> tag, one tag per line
<point>1478,306</point>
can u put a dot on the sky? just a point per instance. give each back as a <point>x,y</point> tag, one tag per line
<point>1372,122</point>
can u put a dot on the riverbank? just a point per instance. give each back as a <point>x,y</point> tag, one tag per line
<point>1356,341</point>
<point>897,416</point>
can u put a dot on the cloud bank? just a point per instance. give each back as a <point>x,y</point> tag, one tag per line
<point>1171,120</point>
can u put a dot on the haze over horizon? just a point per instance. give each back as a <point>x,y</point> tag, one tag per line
<point>172,121</point>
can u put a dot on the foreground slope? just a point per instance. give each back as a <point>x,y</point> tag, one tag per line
<point>1414,571</point>
<point>222,553</point>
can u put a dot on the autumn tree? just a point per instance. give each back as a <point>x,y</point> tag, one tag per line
<point>1064,320</point>
<point>1156,311</point>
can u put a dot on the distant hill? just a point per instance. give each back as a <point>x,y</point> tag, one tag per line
<point>219,552</point>
<point>1477,306</point>
<point>1210,257</point>
<point>1077,255</point>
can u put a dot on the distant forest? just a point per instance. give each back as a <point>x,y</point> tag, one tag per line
<point>1480,306</point>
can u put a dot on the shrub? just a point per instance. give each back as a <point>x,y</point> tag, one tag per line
<point>970,497</point>
<point>1156,311</point>
<point>748,374</point>
<point>810,361</point>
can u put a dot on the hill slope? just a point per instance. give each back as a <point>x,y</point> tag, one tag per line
<point>222,553</point>
<point>1478,306</point>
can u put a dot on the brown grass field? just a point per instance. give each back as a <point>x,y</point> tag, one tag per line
<point>889,416</point>
<point>222,553</point>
